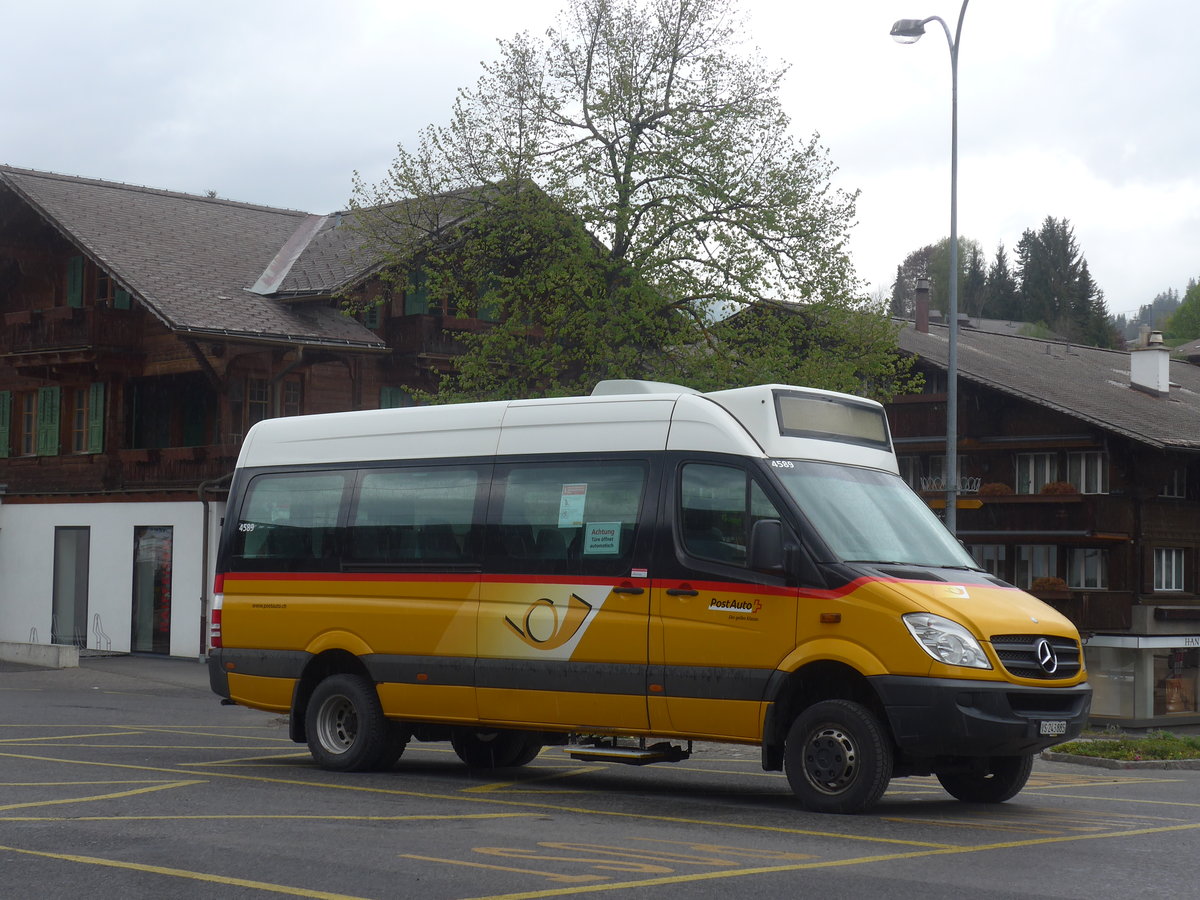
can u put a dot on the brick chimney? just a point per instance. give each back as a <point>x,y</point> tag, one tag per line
<point>921,312</point>
<point>1150,367</point>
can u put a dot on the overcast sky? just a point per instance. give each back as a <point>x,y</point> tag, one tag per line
<point>1087,110</point>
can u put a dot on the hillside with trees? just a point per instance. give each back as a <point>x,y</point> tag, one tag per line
<point>1046,283</point>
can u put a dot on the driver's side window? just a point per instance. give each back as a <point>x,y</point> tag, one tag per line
<point>718,506</point>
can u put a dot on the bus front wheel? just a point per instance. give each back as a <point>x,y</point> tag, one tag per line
<point>838,758</point>
<point>1004,779</point>
<point>347,731</point>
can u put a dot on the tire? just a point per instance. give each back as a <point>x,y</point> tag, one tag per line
<point>1007,776</point>
<point>398,735</point>
<point>838,758</point>
<point>495,749</point>
<point>347,731</point>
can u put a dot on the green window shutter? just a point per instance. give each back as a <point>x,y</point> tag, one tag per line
<point>393,397</point>
<point>95,425</point>
<point>5,422</point>
<point>75,281</point>
<point>416,297</point>
<point>48,407</point>
<point>121,299</point>
<point>370,317</point>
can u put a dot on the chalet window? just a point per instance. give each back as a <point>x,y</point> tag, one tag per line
<point>1088,471</point>
<point>25,424</point>
<point>935,383</point>
<point>29,422</point>
<point>1035,471</point>
<point>251,401</point>
<point>1176,484</point>
<point>258,401</point>
<point>416,295</point>
<point>393,397</point>
<point>6,420</point>
<point>75,281</point>
<point>1168,568</point>
<point>1035,561</point>
<point>1087,569</point>
<point>991,557</point>
<point>291,397</point>
<point>372,316</point>
<point>87,419</point>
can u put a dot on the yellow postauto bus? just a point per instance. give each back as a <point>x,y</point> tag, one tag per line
<point>627,573</point>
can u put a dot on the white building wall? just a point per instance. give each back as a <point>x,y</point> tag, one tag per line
<point>27,569</point>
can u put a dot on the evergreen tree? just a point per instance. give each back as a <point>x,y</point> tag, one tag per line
<point>1003,300</point>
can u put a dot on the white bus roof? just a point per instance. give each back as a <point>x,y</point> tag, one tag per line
<point>618,416</point>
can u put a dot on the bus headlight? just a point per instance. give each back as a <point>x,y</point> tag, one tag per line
<point>946,641</point>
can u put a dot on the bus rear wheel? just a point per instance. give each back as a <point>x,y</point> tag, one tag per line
<point>838,758</point>
<point>495,749</point>
<point>347,731</point>
<point>1003,780</point>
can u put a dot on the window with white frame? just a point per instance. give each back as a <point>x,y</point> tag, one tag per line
<point>1035,471</point>
<point>990,557</point>
<point>1087,569</point>
<point>1035,561</point>
<point>1168,568</point>
<point>1088,471</point>
<point>1176,484</point>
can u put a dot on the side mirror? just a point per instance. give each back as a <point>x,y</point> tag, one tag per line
<point>765,553</point>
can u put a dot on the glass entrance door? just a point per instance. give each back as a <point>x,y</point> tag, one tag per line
<point>152,550</point>
<point>68,622</point>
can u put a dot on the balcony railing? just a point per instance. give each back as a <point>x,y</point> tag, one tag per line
<point>60,328</point>
<point>168,469</point>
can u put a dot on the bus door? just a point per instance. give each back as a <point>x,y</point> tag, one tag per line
<point>718,629</point>
<point>564,603</point>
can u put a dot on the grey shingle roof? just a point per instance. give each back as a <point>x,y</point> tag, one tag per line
<point>1087,383</point>
<point>191,259</point>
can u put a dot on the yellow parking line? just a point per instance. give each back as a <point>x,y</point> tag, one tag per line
<point>495,801</point>
<point>182,873</point>
<point>239,760</point>
<point>114,796</point>
<point>268,816</point>
<point>66,737</point>
<point>521,782</point>
<point>824,864</point>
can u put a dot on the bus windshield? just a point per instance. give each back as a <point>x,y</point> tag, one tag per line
<point>866,515</point>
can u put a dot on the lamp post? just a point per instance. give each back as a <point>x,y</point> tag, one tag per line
<point>909,31</point>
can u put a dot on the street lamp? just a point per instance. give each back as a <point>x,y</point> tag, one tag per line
<point>909,31</point>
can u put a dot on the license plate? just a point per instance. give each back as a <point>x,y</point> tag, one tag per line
<point>1052,727</point>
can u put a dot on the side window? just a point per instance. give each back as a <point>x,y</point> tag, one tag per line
<point>568,518</point>
<point>288,523</point>
<point>718,505</point>
<point>416,516</point>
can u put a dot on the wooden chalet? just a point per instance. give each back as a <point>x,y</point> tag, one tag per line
<point>1079,481</point>
<point>144,332</point>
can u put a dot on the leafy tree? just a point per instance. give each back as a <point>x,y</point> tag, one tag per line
<point>933,262</point>
<point>1184,324</point>
<point>649,126</point>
